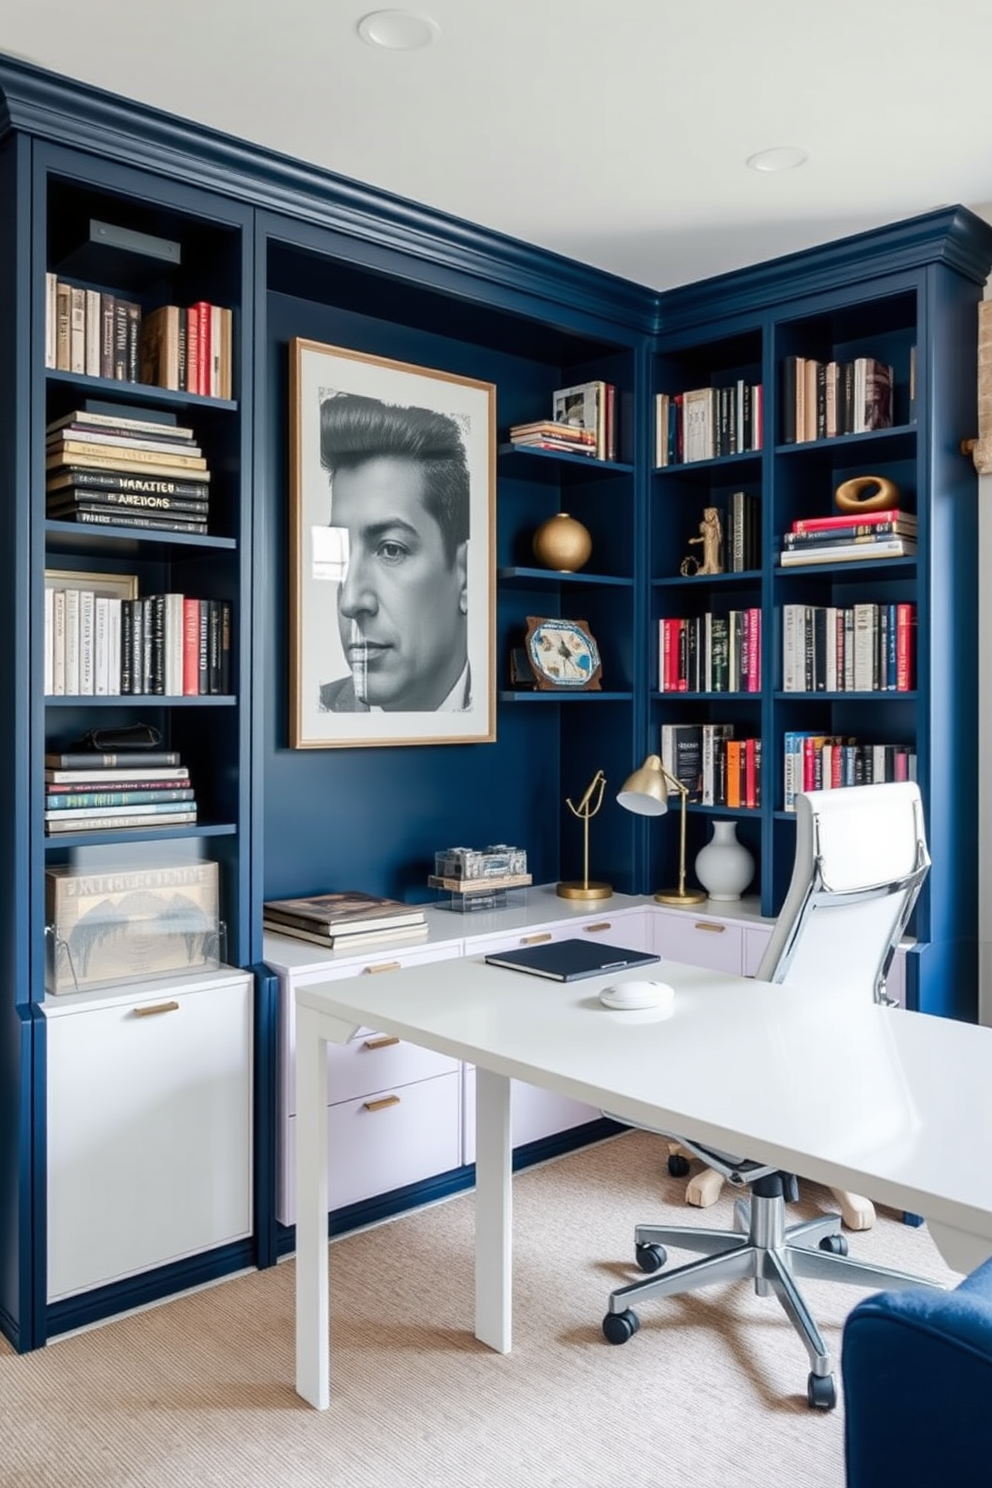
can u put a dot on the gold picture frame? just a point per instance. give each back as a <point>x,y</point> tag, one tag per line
<point>392,608</point>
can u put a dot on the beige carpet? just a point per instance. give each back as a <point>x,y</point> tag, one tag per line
<point>199,1391</point>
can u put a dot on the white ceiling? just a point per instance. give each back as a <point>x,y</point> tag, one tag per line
<point>613,131</point>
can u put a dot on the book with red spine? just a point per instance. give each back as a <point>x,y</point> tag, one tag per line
<point>907,521</point>
<point>202,309</point>
<point>191,647</point>
<point>905,625</point>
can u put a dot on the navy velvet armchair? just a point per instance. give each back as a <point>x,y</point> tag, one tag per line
<point>917,1372</point>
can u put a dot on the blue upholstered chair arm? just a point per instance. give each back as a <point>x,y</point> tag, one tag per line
<point>917,1372</point>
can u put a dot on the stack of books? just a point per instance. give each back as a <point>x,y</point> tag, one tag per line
<point>341,921</point>
<point>89,791</point>
<point>108,468</point>
<point>546,434</point>
<point>850,537</point>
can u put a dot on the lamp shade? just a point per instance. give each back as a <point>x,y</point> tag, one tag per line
<point>646,791</point>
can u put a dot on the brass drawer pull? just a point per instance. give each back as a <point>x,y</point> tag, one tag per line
<point>535,939</point>
<point>158,1007</point>
<point>713,929</point>
<point>383,1104</point>
<point>382,966</point>
<point>595,929</point>
<point>385,1042</point>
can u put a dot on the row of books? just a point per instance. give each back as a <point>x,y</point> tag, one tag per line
<point>100,334</point>
<point>707,423</point>
<point>743,533</point>
<point>865,647</point>
<point>823,399</point>
<point>710,652</point>
<point>111,468</point>
<point>188,348</point>
<point>716,767</point>
<point>160,644</point>
<point>95,792</point>
<point>344,920</point>
<point>826,761</point>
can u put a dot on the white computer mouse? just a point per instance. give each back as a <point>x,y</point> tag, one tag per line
<point>626,996</point>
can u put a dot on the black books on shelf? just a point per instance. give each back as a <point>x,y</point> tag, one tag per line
<point>708,423</point>
<point>104,469</point>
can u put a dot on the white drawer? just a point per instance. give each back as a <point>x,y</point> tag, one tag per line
<point>699,941</point>
<point>351,1068</point>
<point>756,938</point>
<point>374,1148</point>
<point>534,1113</point>
<point>626,929</point>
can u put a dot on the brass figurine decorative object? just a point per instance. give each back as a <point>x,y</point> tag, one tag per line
<point>711,538</point>
<point>585,811</point>
<point>867,493</point>
<point>562,543</point>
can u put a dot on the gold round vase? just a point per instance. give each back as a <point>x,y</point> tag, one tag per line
<point>562,543</point>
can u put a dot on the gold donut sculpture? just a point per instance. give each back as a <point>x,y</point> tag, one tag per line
<point>867,493</point>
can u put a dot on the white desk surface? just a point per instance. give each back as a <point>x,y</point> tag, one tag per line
<point>873,1100</point>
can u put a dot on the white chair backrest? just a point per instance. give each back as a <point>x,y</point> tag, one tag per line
<point>860,862</point>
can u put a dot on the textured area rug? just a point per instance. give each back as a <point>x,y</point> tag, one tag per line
<point>710,1392</point>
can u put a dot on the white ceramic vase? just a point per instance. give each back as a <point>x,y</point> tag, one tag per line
<point>724,866</point>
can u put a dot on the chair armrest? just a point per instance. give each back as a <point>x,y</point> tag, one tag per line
<point>917,1372</point>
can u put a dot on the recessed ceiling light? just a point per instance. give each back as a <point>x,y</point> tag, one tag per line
<point>781,158</point>
<point>397,30</point>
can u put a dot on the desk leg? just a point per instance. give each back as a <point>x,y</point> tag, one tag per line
<point>493,1211</point>
<point>313,1352</point>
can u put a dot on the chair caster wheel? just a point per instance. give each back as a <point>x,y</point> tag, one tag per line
<point>821,1392</point>
<point>650,1257</point>
<point>619,1326</point>
<point>678,1166</point>
<point>834,1245</point>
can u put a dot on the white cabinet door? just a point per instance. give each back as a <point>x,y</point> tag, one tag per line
<point>149,1131</point>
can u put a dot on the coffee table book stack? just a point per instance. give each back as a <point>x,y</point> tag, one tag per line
<point>89,791</point>
<point>340,921</point>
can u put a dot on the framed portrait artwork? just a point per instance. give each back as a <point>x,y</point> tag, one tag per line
<point>392,497</point>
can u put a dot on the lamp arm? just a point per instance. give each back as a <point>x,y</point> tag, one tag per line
<point>683,791</point>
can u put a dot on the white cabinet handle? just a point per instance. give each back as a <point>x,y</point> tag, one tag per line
<point>535,939</point>
<point>597,928</point>
<point>383,1104</point>
<point>385,1042</point>
<point>382,966</point>
<point>706,925</point>
<point>155,1009</point>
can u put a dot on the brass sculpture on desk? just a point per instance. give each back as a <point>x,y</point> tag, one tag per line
<point>711,537</point>
<point>585,811</point>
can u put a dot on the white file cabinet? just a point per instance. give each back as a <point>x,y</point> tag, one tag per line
<point>728,937</point>
<point>394,1110</point>
<point>149,1127</point>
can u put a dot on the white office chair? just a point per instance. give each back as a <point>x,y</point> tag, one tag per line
<point>860,861</point>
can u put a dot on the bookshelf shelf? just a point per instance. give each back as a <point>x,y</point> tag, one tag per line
<point>546,699</point>
<point>135,392</point>
<point>547,576</point>
<point>139,834</point>
<point>538,464</point>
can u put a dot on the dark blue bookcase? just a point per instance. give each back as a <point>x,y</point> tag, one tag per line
<point>297,252</point>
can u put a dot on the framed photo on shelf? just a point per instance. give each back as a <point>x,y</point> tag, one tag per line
<point>563,655</point>
<point>102,585</point>
<point>391,540</point>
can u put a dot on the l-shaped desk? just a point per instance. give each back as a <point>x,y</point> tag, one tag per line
<point>873,1100</point>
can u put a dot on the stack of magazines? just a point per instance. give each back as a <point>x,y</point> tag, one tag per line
<point>344,920</point>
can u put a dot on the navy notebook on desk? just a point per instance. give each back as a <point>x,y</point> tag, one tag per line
<point>569,960</point>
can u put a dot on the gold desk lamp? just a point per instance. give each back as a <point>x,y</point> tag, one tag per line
<point>586,809</point>
<point>646,793</point>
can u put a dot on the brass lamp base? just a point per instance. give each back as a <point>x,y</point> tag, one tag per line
<point>584,891</point>
<point>688,896</point>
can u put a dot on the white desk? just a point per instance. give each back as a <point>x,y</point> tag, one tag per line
<point>873,1100</point>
